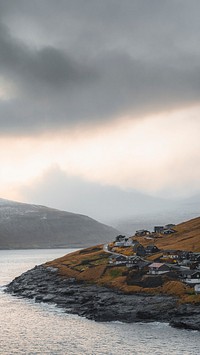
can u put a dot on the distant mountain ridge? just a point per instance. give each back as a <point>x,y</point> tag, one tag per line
<point>24,226</point>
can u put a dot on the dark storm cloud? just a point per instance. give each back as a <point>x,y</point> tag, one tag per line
<point>96,59</point>
<point>48,66</point>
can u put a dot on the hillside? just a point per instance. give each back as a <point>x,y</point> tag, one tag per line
<point>104,285</point>
<point>187,237</point>
<point>93,265</point>
<point>25,226</point>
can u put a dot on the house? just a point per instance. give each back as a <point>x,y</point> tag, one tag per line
<point>120,260</point>
<point>135,242</point>
<point>173,255</point>
<point>158,269</point>
<point>120,238</point>
<point>185,263</point>
<point>158,229</point>
<point>133,261</point>
<point>117,260</point>
<point>122,241</point>
<point>193,278</point>
<point>139,249</point>
<point>143,265</point>
<point>119,244</point>
<point>195,257</point>
<point>151,249</point>
<point>128,242</point>
<point>197,289</point>
<point>168,231</point>
<point>184,255</point>
<point>190,277</point>
<point>142,233</point>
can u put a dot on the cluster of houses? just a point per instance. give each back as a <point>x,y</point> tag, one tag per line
<point>164,230</point>
<point>183,264</point>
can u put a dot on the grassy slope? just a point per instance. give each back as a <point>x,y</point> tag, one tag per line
<point>186,238</point>
<point>91,265</point>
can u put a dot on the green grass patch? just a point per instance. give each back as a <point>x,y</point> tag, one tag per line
<point>115,273</point>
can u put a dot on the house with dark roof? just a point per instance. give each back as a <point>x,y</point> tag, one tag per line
<point>158,229</point>
<point>168,231</point>
<point>117,259</point>
<point>133,260</point>
<point>190,277</point>
<point>195,257</point>
<point>151,249</point>
<point>142,233</point>
<point>139,249</point>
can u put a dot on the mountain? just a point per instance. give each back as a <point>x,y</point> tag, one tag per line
<point>24,226</point>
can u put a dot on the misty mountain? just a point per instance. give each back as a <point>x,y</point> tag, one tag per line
<point>101,202</point>
<point>32,226</point>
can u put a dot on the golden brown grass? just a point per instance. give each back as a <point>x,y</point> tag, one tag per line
<point>91,264</point>
<point>187,237</point>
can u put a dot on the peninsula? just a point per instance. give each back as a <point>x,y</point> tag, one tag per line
<point>152,276</point>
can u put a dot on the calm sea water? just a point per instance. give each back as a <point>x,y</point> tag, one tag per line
<point>29,328</point>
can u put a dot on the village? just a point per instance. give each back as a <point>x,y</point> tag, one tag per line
<point>149,264</point>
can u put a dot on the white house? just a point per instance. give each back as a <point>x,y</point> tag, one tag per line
<point>197,288</point>
<point>158,269</point>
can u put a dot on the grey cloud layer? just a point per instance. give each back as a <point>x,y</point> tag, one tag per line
<point>96,59</point>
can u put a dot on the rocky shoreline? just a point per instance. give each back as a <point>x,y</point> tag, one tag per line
<point>43,284</point>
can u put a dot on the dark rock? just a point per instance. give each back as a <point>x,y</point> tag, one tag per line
<point>192,322</point>
<point>100,303</point>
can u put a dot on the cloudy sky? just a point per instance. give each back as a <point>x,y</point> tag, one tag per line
<point>99,99</point>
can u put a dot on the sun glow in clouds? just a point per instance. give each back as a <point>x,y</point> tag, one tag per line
<point>150,154</point>
<point>7,90</point>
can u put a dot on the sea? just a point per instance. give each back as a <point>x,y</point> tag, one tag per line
<point>33,328</point>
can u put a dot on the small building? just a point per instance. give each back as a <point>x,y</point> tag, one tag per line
<point>139,250</point>
<point>142,233</point>
<point>190,277</point>
<point>194,257</point>
<point>184,254</point>
<point>143,265</point>
<point>185,263</point>
<point>133,261</point>
<point>197,289</point>
<point>151,249</point>
<point>135,242</point>
<point>158,269</point>
<point>128,242</point>
<point>120,238</point>
<point>122,241</point>
<point>158,229</point>
<point>168,231</point>
<point>120,260</point>
<point>115,259</point>
<point>119,244</point>
<point>171,254</point>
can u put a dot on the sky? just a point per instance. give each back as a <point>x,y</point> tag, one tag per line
<point>99,103</point>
